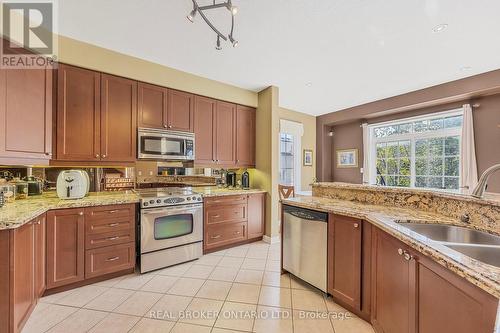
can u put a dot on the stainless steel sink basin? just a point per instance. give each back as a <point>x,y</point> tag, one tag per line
<point>453,234</point>
<point>488,255</point>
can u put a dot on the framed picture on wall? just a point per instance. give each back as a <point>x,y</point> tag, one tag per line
<point>308,157</point>
<point>347,158</point>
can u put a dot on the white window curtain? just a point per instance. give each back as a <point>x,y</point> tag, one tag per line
<point>366,153</point>
<point>468,165</point>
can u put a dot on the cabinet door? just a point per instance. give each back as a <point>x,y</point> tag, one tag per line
<point>78,114</point>
<point>65,247</point>
<point>245,136</point>
<point>25,114</point>
<point>256,215</point>
<point>118,119</point>
<point>225,128</point>
<point>180,111</point>
<point>204,130</point>
<point>40,254</point>
<point>344,278</point>
<point>449,304</point>
<point>22,282</point>
<point>393,286</point>
<point>152,106</point>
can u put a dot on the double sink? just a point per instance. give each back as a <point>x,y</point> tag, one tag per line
<point>476,244</point>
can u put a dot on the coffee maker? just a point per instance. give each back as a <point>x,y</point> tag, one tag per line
<point>231,179</point>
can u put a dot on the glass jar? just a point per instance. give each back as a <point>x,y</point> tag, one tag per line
<point>9,192</point>
<point>21,188</point>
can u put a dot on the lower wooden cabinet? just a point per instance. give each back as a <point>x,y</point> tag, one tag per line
<point>109,259</point>
<point>65,247</point>
<point>233,219</point>
<point>412,293</point>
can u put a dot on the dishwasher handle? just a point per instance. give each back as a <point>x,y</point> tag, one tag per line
<point>306,214</point>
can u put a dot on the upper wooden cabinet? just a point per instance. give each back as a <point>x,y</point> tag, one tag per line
<point>204,130</point>
<point>180,111</point>
<point>118,119</point>
<point>225,134</point>
<point>26,116</point>
<point>245,136</point>
<point>96,116</point>
<point>152,106</point>
<point>78,114</point>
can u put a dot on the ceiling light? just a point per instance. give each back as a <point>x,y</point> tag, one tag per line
<point>192,15</point>
<point>309,84</point>
<point>233,41</point>
<point>217,46</point>
<point>201,10</point>
<point>439,28</point>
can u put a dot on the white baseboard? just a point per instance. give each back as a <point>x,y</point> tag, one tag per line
<point>271,240</point>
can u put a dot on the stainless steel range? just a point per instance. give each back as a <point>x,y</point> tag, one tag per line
<point>171,227</point>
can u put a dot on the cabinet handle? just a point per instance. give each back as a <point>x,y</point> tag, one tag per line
<point>113,211</point>
<point>113,259</point>
<point>407,256</point>
<point>48,154</point>
<point>169,126</point>
<point>400,252</point>
<point>97,155</point>
<point>216,216</point>
<point>237,233</point>
<point>215,237</point>
<point>113,238</point>
<point>165,125</point>
<point>104,156</point>
<point>113,224</point>
<point>80,213</point>
<point>356,225</point>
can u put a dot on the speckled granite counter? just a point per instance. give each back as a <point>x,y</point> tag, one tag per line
<point>14,215</point>
<point>387,217</point>
<point>214,191</point>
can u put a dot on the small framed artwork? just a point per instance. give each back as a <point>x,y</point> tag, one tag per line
<point>308,157</point>
<point>347,158</point>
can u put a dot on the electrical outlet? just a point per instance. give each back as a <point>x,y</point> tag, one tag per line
<point>139,173</point>
<point>150,173</point>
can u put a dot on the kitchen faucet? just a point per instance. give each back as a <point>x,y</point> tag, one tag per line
<point>483,181</point>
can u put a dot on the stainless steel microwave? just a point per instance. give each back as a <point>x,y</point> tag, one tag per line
<point>154,144</point>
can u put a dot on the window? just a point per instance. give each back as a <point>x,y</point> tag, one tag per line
<point>287,159</point>
<point>421,152</point>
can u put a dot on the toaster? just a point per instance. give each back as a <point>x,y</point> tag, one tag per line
<point>72,184</point>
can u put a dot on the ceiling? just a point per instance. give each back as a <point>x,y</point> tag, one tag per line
<point>324,55</point>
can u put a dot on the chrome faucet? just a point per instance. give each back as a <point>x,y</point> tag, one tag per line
<point>483,181</point>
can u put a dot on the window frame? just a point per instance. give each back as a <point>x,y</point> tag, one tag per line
<point>412,137</point>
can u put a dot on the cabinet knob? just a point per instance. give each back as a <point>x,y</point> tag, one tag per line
<point>400,252</point>
<point>80,213</point>
<point>104,156</point>
<point>48,154</point>
<point>356,225</point>
<point>407,256</point>
<point>97,155</point>
<point>165,125</point>
<point>169,126</point>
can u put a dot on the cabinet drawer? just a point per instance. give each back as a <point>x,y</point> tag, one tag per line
<point>225,214</point>
<point>109,212</point>
<point>225,200</point>
<point>109,259</point>
<point>219,235</point>
<point>99,226</point>
<point>93,241</point>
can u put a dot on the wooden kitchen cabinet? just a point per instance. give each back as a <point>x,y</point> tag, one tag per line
<point>180,111</point>
<point>65,247</point>
<point>78,114</point>
<point>204,130</point>
<point>26,116</point>
<point>344,259</point>
<point>256,215</point>
<point>152,106</point>
<point>118,119</point>
<point>245,136</point>
<point>225,134</point>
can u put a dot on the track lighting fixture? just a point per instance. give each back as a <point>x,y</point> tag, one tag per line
<point>200,9</point>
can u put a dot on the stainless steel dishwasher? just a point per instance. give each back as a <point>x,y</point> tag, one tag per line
<point>305,244</point>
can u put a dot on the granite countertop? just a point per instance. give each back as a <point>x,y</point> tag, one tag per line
<point>484,276</point>
<point>19,212</point>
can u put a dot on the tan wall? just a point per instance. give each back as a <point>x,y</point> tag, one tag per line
<point>89,56</point>
<point>307,173</point>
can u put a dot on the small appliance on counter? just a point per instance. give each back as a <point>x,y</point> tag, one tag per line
<point>231,179</point>
<point>35,185</point>
<point>72,184</point>
<point>245,180</point>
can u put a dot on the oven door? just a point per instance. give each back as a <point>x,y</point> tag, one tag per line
<point>167,227</point>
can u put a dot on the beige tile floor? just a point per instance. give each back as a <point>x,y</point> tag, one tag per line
<point>235,290</point>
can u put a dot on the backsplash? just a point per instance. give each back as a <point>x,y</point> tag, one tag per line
<point>483,214</point>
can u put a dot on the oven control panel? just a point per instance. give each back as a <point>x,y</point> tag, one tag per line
<point>170,201</point>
